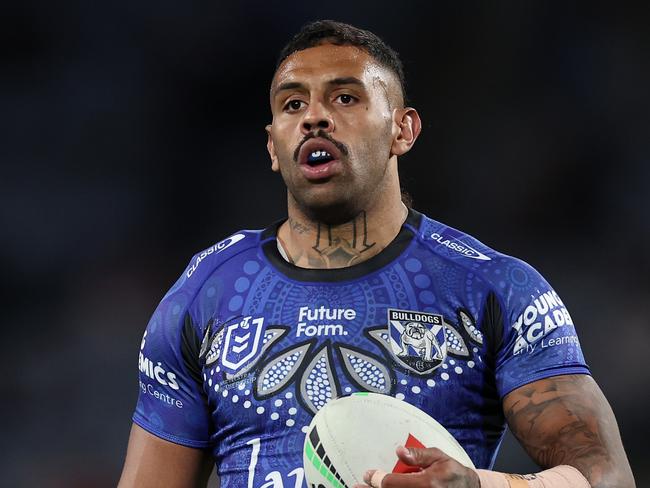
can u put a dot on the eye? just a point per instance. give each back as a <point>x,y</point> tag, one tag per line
<point>346,99</point>
<point>293,105</point>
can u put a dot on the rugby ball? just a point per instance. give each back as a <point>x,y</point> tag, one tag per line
<point>355,433</point>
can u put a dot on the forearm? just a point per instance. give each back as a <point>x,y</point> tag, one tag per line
<point>563,476</point>
<point>566,420</point>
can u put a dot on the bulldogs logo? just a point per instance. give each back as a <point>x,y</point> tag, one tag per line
<point>421,339</point>
<point>417,339</point>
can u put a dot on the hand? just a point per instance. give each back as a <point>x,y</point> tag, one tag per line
<point>437,470</point>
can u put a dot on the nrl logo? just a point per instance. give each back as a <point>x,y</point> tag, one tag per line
<point>242,342</point>
<point>417,339</point>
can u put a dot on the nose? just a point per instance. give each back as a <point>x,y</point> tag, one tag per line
<point>317,117</point>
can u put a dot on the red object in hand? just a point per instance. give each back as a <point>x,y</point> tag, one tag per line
<point>401,467</point>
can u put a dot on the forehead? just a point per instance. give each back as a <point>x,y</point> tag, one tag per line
<point>327,61</point>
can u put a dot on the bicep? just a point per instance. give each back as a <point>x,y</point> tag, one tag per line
<point>567,420</point>
<point>154,462</point>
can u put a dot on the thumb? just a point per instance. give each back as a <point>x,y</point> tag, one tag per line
<point>422,457</point>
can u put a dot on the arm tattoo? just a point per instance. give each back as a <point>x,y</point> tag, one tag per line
<point>566,420</point>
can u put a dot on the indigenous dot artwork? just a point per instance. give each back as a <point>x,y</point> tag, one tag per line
<point>316,384</point>
<point>455,343</point>
<point>470,328</point>
<point>368,373</point>
<point>279,371</point>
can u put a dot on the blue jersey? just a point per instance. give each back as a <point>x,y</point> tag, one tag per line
<point>245,347</point>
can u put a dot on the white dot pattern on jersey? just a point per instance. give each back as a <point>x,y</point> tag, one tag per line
<point>215,349</point>
<point>369,373</point>
<point>381,336</point>
<point>455,343</point>
<point>366,371</point>
<point>317,385</point>
<point>279,371</point>
<point>471,329</point>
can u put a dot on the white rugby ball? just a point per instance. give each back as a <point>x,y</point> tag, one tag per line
<point>355,433</point>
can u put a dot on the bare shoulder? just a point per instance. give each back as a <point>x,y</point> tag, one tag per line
<point>155,462</point>
<point>567,420</point>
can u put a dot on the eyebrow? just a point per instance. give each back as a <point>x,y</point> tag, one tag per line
<point>350,80</point>
<point>292,85</point>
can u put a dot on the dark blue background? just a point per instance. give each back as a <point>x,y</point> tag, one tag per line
<point>131,136</point>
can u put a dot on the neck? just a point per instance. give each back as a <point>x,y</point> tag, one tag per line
<point>312,244</point>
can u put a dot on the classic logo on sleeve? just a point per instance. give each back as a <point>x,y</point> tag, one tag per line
<point>217,248</point>
<point>417,339</point>
<point>454,243</point>
<point>242,342</point>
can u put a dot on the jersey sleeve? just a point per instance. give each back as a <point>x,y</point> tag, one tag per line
<point>172,403</point>
<point>539,338</point>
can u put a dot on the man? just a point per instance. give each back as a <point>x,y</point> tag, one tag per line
<point>265,327</point>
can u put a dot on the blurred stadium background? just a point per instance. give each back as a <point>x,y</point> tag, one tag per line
<point>132,137</point>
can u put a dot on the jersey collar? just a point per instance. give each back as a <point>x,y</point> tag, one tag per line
<point>396,247</point>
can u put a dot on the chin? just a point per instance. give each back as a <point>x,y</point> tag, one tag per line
<point>329,210</point>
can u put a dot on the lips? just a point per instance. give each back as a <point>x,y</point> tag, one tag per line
<point>323,167</point>
<point>317,144</point>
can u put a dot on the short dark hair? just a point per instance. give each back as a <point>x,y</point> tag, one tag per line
<point>340,34</point>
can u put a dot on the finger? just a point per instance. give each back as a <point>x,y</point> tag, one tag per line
<point>377,478</point>
<point>408,480</point>
<point>415,456</point>
<point>401,466</point>
<point>374,477</point>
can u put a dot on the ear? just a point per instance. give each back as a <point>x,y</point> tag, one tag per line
<point>275,166</point>
<point>406,129</point>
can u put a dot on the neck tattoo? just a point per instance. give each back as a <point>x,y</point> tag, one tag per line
<point>329,249</point>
